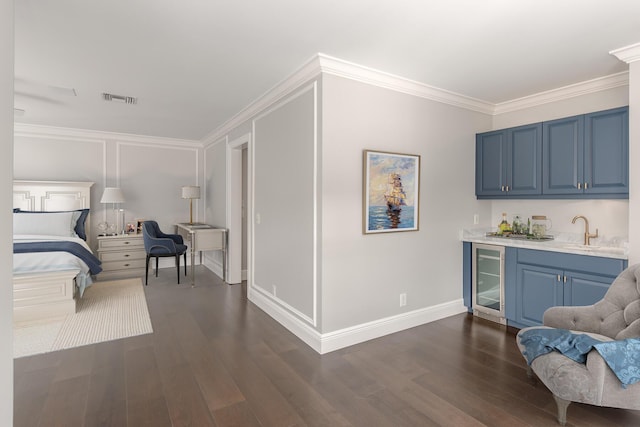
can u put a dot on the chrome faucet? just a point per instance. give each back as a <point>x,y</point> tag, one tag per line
<point>587,236</point>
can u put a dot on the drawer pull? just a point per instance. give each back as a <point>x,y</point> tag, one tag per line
<point>126,243</point>
<point>127,255</point>
<point>126,265</point>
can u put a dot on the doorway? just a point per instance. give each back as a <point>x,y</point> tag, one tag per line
<point>237,207</point>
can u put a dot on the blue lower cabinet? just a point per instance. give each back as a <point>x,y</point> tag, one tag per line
<point>537,288</point>
<point>535,280</point>
<point>544,279</point>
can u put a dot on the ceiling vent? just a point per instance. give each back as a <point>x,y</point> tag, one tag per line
<point>119,98</point>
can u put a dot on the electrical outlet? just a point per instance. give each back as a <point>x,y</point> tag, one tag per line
<point>476,219</point>
<point>403,299</point>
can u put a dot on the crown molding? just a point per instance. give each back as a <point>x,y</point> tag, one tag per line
<point>350,70</point>
<point>566,92</point>
<point>309,70</point>
<point>321,63</point>
<point>627,54</point>
<point>41,131</point>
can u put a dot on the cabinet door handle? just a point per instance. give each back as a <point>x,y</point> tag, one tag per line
<point>565,279</point>
<point>579,186</point>
<point>586,185</point>
<point>559,279</point>
<point>507,188</point>
<point>502,188</point>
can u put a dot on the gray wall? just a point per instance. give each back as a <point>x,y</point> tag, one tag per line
<point>214,201</point>
<point>150,172</point>
<point>6,186</point>
<point>284,238</point>
<point>363,275</point>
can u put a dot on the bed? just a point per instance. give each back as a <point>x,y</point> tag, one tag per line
<point>52,261</point>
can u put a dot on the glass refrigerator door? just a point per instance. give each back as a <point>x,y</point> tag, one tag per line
<point>488,290</point>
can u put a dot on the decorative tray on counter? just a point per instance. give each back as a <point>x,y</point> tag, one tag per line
<point>520,237</point>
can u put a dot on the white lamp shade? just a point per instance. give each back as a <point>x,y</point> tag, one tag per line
<point>112,195</point>
<point>190,192</point>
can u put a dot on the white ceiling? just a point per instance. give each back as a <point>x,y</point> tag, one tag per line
<point>193,64</point>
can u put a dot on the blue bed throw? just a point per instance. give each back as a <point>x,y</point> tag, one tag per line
<point>62,246</point>
<point>622,356</point>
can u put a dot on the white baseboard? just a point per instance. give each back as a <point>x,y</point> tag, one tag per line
<point>331,341</point>
<point>213,265</point>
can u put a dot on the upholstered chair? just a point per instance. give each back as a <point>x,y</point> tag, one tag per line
<point>158,244</point>
<point>615,317</point>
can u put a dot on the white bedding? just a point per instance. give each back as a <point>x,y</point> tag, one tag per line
<point>43,262</point>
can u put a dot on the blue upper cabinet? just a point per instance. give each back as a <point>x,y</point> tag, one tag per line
<point>606,150</point>
<point>563,148</point>
<point>524,145</point>
<point>508,162</point>
<point>491,157</point>
<point>585,156</point>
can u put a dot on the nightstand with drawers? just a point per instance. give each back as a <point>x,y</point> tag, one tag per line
<point>122,256</point>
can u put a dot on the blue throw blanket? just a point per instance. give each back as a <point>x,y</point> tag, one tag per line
<point>62,246</point>
<point>622,356</point>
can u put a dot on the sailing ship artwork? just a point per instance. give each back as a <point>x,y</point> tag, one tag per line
<point>391,183</point>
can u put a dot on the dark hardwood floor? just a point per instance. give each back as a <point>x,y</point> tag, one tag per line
<point>215,359</point>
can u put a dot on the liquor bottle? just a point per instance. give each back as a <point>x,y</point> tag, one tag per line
<point>504,226</point>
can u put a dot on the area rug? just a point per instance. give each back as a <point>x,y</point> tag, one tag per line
<point>107,311</point>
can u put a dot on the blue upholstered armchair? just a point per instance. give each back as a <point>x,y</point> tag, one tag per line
<point>158,244</point>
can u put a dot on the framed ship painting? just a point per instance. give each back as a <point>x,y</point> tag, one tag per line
<point>390,192</point>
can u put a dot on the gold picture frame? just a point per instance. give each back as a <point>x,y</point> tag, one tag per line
<point>391,192</point>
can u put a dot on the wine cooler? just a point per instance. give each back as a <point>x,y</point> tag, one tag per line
<point>488,282</point>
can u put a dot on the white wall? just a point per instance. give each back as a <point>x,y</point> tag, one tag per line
<point>611,217</point>
<point>6,197</point>
<point>363,275</point>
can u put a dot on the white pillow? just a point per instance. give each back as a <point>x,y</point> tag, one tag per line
<point>50,223</point>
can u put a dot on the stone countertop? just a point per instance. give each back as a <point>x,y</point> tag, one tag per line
<point>562,242</point>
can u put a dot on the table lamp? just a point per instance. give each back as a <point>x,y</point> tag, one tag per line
<point>114,195</point>
<point>190,192</point>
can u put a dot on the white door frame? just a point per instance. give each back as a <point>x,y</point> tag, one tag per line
<point>234,206</point>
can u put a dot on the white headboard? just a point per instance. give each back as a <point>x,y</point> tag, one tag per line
<point>53,196</point>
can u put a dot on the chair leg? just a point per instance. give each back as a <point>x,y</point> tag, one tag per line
<point>178,266</point>
<point>157,258</point>
<point>146,275</point>
<point>562,409</point>
<point>185,263</point>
